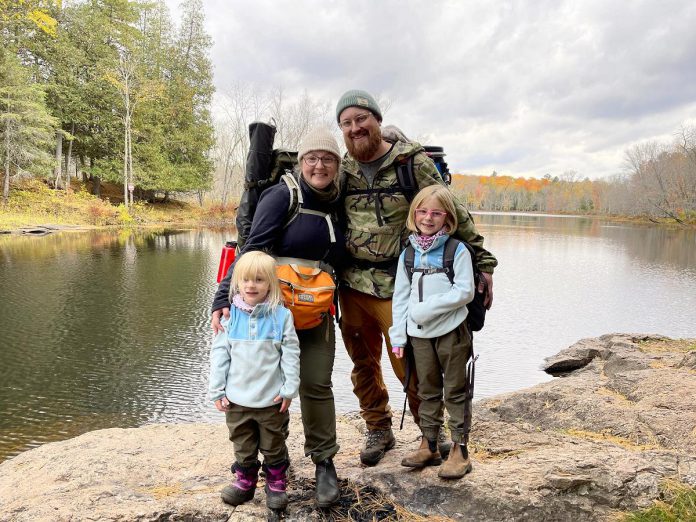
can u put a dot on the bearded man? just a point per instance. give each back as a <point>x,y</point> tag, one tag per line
<point>376,209</point>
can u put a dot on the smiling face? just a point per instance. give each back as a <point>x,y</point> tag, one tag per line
<point>254,289</point>
<point>430,217</point>
<point>361,133</point>
<point>319,168</point>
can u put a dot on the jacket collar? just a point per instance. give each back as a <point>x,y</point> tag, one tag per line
<point>437,243</point>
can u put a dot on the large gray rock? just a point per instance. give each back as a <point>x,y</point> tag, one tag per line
<point>596,442</point>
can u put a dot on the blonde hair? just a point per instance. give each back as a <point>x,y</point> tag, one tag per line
<point>257,264</point>
<point>444,197</point>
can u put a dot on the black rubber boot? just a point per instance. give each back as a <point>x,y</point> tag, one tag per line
<point>327,484</point>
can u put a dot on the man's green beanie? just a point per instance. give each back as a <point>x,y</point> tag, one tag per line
<point>357,98</point>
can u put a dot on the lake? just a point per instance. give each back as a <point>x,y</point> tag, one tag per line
<point>104,329</point>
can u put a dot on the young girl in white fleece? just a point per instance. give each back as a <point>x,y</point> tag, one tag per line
<point>254,375</point>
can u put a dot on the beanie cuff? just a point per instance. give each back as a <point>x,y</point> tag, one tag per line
<point>358,98</point>
<point>320,138</point>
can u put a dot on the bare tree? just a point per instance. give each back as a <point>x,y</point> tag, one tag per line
<point>244,104</point>
<point>294,119</point>
<point>655,172</point>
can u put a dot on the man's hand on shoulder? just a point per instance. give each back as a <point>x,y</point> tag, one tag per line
<point>488,301</point>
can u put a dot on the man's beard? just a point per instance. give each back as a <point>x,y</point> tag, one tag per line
<point>365,150</point>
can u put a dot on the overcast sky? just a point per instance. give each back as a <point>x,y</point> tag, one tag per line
<point>522,87</point>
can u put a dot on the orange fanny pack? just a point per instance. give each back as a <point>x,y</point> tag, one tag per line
<point>308,292</point>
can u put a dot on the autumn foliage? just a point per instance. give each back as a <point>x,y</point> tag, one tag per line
<point>505,193</point>
<point>658,183</point>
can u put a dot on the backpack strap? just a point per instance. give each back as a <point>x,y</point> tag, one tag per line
<point>407,185</point>
<point>406,178</point>
<point>447,261</point>
<point>448,257</point>
<point>326,216</point>
<point>296,199</point>
<point>296,206</point>
<point>409,260</point>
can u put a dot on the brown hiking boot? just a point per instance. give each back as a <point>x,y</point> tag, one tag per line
<point>376,444</point>
<point>458,463</point>
<point>423,456</point>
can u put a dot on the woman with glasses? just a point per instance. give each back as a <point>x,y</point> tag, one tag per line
<point>312,233</point>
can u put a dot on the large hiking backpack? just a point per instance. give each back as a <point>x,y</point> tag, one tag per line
<point>407,179</point>
<point>477,311</point>
<point>265,166</point>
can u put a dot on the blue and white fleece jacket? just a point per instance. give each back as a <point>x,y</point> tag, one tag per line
<point>444,305</point>
<point>256,358</point>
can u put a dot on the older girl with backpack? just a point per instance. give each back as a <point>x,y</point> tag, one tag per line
<point>429,317</point>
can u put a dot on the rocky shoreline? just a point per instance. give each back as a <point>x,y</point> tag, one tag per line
<point>600,440</point>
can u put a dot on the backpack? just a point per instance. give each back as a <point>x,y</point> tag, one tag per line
<point>265,167</point>
<point>477,312</point>
<point>404,171</point>
<point>406,178</point>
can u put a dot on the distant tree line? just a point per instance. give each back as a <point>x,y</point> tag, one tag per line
<point>106,90</point>
<point>659,181</point>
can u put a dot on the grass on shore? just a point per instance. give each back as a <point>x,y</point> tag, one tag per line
<point>677,504</point>
<point>33,203</point>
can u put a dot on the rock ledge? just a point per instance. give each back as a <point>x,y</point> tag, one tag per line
<point>598,441</point>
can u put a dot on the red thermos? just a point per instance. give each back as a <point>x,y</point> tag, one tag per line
<point>226,259</point>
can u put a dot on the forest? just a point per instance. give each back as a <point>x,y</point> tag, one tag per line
<point>106,90</point>
<point>115,91</point>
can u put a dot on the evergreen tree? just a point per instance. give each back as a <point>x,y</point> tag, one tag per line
<point>26,128</point>
<point>189,133</point>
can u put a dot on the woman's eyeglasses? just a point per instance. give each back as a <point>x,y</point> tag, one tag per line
<point>327,161</point>
<point>422,212</point>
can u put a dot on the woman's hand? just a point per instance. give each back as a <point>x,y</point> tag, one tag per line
<point>215,321</point>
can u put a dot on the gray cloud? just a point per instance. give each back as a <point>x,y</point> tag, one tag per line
<point>522,87</point>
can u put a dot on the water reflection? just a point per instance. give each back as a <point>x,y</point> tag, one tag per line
<point>101,330</point>
<point>111,329</point>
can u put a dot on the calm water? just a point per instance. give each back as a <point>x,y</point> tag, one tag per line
<point>111,329</point>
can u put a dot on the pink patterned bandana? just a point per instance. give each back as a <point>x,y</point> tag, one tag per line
<point>240,303</point>
<point>425,242</point>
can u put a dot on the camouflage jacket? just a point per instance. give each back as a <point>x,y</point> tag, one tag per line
<point>375,222</point>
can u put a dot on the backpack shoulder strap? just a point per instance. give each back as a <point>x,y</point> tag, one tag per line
<point>297,206</point>
<point>448,257</point>
<point>406,178</point>
<point>409,261</point>
<point>296,199</point>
